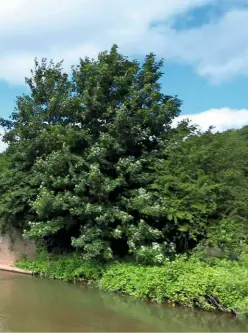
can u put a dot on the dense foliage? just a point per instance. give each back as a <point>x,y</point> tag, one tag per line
<point>203,184</point>
<point>212,284</point>
<point>94,165</point>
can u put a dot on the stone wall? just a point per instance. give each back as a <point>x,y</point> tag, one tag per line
<point>13,246</point>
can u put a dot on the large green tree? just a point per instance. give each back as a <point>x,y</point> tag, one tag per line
<point>94,164</point>
<point>80,151</point>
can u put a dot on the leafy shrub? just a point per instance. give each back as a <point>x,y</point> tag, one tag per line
<point>63,268</point>
<point>222,285</point>
<point>211,284</point>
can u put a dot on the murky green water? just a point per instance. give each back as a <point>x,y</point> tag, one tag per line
<point>29,304</point>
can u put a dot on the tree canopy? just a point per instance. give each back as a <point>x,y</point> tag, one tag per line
<point>94,165</point>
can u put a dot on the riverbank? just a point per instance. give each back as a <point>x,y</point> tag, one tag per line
<point>212,285</point>
<point>14,269</point>
<point>46,305</point>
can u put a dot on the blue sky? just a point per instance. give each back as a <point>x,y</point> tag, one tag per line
<point>204,44</point>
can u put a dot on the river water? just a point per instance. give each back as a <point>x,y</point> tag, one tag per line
<point>29,304</point>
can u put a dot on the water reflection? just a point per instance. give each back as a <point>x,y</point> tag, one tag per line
<point>174,319</point>
<point>30,304</point>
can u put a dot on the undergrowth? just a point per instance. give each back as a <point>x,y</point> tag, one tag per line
<point>209,285</point>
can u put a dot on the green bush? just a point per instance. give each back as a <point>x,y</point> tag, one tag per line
<point>211,284</point>
<point>190,283</point>
<point>68,268</point>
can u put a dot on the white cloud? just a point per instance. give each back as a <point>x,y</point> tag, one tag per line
<point>222,119</point>
<point>71,29</point>
<point>218,50</point>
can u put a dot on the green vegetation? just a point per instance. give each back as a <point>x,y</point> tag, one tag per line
<point>212,284</point>
<point>94,168</point>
